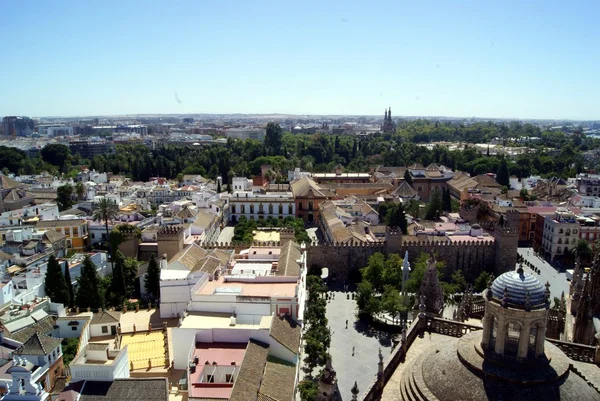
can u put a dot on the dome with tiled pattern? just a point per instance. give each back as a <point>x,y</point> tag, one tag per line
<point>517,285</point>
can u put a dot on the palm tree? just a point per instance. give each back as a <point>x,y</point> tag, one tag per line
<point>105,210</point>
<point>80,190</point>
<point>582,250</point>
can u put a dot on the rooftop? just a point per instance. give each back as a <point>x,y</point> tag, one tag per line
<point>248,289</point>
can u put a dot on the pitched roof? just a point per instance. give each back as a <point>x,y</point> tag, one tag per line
<point>208,264</point>
<point>187,212</point>
<point>278,381</point>
<point>5,256</point>
<point>305,187</point>
<point>189,255</point>
<point>53,236</point>
<point>249,378</point>
<point>38,344</point>
<point>43,326</point>
<point>138,389</point>
<point>487,181</point>
<point>286,332</point>
<point>8,183</point>
<point>288,265</point>
<point>104,317</point>
<point>60,223</point>
<point>404,190</point>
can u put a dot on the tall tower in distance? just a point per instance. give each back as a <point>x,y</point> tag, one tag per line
<point>388,125</point>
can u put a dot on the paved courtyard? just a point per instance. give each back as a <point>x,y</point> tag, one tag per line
<point>558,280</point>
<point>362,367</point>
<point>226,234</point>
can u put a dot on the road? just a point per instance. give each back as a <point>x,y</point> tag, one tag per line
<point>558,281</point>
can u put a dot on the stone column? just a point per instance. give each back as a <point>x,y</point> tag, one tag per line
<point>500,336</point>
<point>540,337</point>
<point>523,342</point>
<point>488,322</point>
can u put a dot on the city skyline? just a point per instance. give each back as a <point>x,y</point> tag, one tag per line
<point>496,61</point>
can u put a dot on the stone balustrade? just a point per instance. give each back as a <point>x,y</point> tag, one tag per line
<point>577,352</point>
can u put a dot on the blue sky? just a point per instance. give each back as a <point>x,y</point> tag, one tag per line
<point>522,59</point>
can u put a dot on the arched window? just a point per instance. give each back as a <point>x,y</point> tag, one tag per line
<point>560,240</point>
<point>511,344</point>
<point>532,340</point>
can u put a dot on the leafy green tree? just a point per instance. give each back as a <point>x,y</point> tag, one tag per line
<point>69,348</point>
<point>152,279</point>
<point>502,175</point>
<point>366,300</point>
<point>63,197</point>
<point>434,207</point>
<point>374,271</point>
<point>481,281</point>
<point>55,284</point>
<point>105,210</point>
<point>396,217</point>
<point>308,389</point>
<point>89,286</point>
<point>12,159</point>
<point>459,280</point>
<point>69,282</point>
<point>273,138</point>
<point>408,177</point>
<point>524,194</point>
<point>56,154</point>
<point>391,302</point>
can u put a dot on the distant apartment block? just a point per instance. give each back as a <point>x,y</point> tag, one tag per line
<point>246,133</point>
<point>122,129</point>
<point>90,149</point>
<point>52,130</point>
<point>18,126</point>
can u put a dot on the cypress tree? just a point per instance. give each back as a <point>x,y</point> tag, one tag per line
<point>88,289</point>
<point>152,279</point>
<point>435,205</point>
<point>69,282</point>
<point>446,201</point>
<point>117,284</point>
<point>55,284</point>
<point>502,176</point>
<point>408,177</point>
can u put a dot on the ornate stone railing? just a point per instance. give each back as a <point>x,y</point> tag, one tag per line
<point>449,327</point>
<point>576,351</point>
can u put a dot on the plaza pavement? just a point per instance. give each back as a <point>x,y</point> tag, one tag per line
<point>362,366</point>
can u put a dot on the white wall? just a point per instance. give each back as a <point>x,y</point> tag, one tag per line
<point>118,369</point>
<point>182,338</point>
<point>96,329</point>
<point>63,330</point>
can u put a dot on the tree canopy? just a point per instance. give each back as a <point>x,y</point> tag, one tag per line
<point>55,284</point>
<point>89,286</point>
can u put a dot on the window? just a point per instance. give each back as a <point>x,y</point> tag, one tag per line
<point>104,329</point>
<point>251,208</point>
<point>93,236</point>
<point>560,240</point>
<point>210,378</point>
<point>270,208</point>
<point>75,232</point>
<point>228,377</point>
<point>575,231</point>
<point>559,250</point>
<point>310,206</point>
<point>300,206</point>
